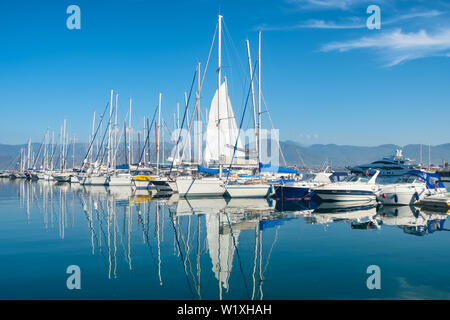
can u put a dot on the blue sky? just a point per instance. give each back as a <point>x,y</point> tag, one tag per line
<point>327,78</point>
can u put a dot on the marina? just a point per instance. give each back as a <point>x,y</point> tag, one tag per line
<point>225,151</point>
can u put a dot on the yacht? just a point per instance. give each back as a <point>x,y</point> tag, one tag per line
<point>353,188</point>
<point>396,165</point>
<point>412,187</point>
<point>296,190</point>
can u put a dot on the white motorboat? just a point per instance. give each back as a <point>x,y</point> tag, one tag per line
<point>296,190</point>
<point>412,188</point>
<point>354,188</point>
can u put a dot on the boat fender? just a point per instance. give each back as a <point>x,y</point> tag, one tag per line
<point>395,198</point>
<point>416,196</point>
<point>384,195</point>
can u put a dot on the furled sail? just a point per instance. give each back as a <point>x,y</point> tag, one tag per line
<point>226,128</point>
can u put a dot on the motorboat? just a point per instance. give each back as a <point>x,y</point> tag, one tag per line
<point>411,188</point>
<point>353,188</point>
<point>396,165</point>
<point>296,190</point>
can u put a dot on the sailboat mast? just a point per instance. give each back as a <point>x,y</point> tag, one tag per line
<point>115,133</point>
<point>259,97</point>
<point>198,114</point>
<point>93,134</point>
<point>64,147</point>
<point>130,161</point>
<point>159,126</point>
<point>109,129</point>
<point>253,92</point>
<point>219,75</point>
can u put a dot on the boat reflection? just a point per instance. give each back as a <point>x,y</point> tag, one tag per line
<point>225,237</point>
<point>412,220</point>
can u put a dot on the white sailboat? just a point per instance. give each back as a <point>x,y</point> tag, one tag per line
<point>190,186</point>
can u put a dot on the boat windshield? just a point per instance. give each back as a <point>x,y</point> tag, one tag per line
<point>352,178</point>
<point>407,179</point>
<point>356,178</point>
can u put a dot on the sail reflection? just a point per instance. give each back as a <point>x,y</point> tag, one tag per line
<point>218,245</point>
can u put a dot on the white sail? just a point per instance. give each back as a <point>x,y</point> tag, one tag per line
<point>228,130</point>
<point>221,248</point>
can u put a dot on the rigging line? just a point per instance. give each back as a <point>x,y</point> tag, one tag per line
<point>237,252</point>
<point>146,139</point>
<point>120,137</point>
<point>104,136</point>
<point>238,58</point>
<point>181,253</point>
<point>201,86</point>
<point>184,118</point>
<point>239,132</point>
<point>146,234</point>
<point>95,135</point>
<point>39,152</point>
<point>186,250</point>
<point>270,118</point>
<point>270,251</point>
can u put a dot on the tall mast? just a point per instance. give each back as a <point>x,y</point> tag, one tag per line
<point>159,126</point>
<point>198,114</point>
<point>64,147</point>
<point>93,134</point>
<point>162,139</point>
<point>29,154</point>
<point>73,152</point>
<point>130,161</point>
<point>178,131</point>
<point>115,134</point>
<point>253,94</point>
<point>219,75</point>
<point>144,133</point>
<point>109,129</point>
<point>259,97</point>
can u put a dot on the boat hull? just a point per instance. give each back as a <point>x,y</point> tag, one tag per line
<point>206,187</point>
<point>120,181</point>
<point>258,190</point>
<point>345,195</point>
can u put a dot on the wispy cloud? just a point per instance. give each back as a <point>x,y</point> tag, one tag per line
<point>327,4</point>
<point>397,46</point>
<point>354,22</point>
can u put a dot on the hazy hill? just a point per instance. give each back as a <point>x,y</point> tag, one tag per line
<point>309,156</point>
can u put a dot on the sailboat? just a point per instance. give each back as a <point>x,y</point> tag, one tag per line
<point>211,186</point>
<point>256,188</point>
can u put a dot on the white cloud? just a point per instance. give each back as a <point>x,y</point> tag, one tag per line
<point>354,22</point>
<point>327,4</point>
<point>398,46</point>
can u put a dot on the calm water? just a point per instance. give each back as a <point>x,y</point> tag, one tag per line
<point>130,246</point>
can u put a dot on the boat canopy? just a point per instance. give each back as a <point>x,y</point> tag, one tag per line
<point>122,167</point>
<point>432,179</point>
<point>266,167</point>
<point>202,169</point>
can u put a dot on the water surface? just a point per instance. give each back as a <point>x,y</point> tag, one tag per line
<point>132,246</point>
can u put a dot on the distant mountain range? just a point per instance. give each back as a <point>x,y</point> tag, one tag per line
<point>338,156</point>
<point>342,155</point>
